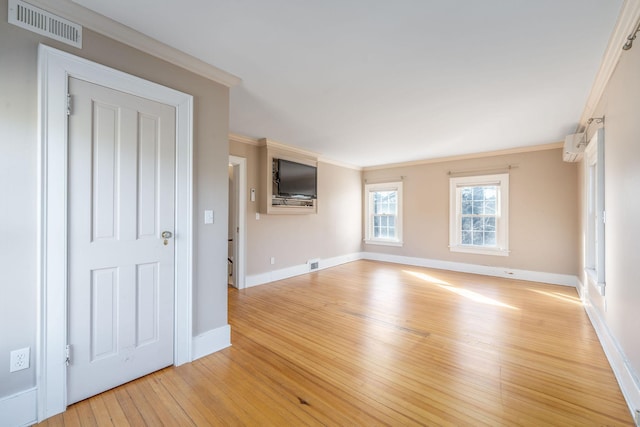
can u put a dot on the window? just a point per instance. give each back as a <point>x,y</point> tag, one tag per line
<point>478,216</point>
<point>383,214</point>
<point>595,220</point>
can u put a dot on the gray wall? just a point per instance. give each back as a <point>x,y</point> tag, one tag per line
<point>18,172</point>
<point>620,307</point>
<point>543,210</point>
<point>293,239</point>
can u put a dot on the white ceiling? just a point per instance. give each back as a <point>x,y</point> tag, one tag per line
<point>371,82</point>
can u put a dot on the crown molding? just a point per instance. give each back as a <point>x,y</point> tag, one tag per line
<point>243,139</point>
<point>284,147</point>
<point>339,163</point>
<point>627,22</point>
<point>267,142</point>
<point>518,150</point>
<point>126,35</point>
<point>234,137</point>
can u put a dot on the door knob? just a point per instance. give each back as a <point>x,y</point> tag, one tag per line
<point>166,235</point>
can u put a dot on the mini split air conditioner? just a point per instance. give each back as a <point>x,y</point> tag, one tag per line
<point>574,147</point>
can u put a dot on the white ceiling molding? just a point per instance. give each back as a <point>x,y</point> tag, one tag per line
<point>243,139</point>
<point>339,164</point>
<point>264,141</point>
<point>517,150</point>
<point>627,22</point>
<point>123,34</point>
<point>234,137</point>
<point>284,147</point>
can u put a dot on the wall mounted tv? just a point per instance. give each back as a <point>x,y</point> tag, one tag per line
<point>295,179</point>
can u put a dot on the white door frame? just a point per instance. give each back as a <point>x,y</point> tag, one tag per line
<point>241,185</point>
<point>54,69</point>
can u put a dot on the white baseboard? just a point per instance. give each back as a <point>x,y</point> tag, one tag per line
<point>338,260</point>
<point>580,288</point>
<point>272,276</point>
<point>19,409</point>
<point>297,270</point>
<point>622,369</point>
<point>211,341</point>
<point>508,273</point>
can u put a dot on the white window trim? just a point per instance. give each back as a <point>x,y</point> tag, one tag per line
<point>502,225</point>
<point>386,186</point>
<point>594,257</point>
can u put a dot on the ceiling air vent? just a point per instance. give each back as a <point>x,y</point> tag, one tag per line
<point>42,22</point>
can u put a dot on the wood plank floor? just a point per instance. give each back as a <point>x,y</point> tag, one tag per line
<point>370,343</point>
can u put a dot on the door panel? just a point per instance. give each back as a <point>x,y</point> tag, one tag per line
<point>121,274</point>
<point>147,175</point>
<point>147,285</point>
<point>104,289</point>
<point>106,123</point>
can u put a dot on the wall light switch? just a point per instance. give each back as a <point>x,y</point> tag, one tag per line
<point>253,195</point>
<point>257,215</point>
<point>208,217</point>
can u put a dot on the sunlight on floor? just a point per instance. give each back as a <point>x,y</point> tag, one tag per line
<point>474,296</point>
<point>559,296</point>
<point>427,278</point>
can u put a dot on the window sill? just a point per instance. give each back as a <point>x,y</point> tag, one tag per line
<point>479,251</point>
<point>383,243</point>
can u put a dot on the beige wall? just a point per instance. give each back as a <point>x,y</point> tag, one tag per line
<point>294,239</point>
<point>620,307</point>
<point>18,172</point>
<point>543,211</point>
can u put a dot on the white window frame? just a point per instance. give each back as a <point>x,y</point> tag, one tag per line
<point>369,189</point>
<point>502,213</point>
<point>594,256</point>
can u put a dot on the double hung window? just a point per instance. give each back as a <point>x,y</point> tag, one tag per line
<point>595,216</point>
<point>383,216</point>
<point>478,220</point>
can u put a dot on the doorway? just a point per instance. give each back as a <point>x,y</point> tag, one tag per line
<point>55,67</point>
<point>237,221</point>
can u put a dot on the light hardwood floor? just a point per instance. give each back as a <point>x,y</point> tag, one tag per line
<point>370,343</point>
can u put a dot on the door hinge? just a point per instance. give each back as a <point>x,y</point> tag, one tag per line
<point>67,355</point>
<point>68,104</point>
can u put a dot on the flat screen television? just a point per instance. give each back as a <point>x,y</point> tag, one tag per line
<point>296,180</point>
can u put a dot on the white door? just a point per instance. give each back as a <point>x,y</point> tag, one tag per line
<point>121,270</point>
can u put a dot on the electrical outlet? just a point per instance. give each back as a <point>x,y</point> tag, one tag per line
<point>19,359</point>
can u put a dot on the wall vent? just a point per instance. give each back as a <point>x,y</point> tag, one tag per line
<point>44,23</point>
<point>314,264</point>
